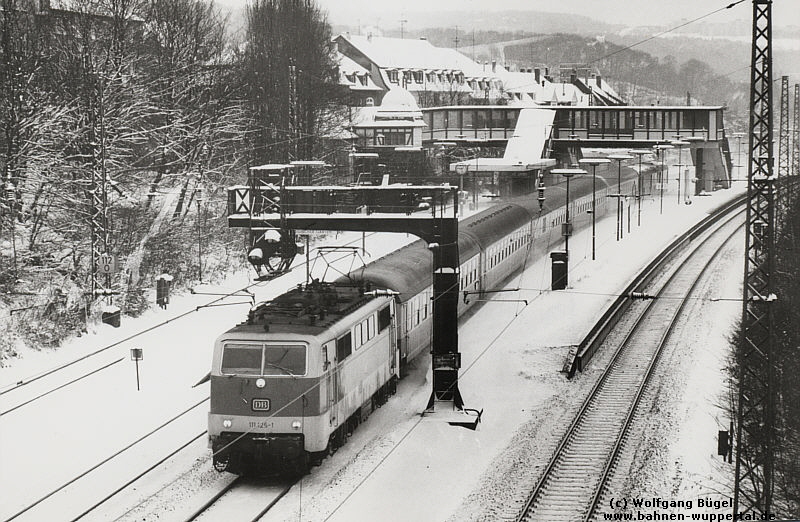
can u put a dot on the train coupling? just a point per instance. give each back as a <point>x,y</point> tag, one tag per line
<point>446,411</point>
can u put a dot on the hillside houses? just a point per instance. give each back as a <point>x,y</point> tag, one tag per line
<point>438,76</point>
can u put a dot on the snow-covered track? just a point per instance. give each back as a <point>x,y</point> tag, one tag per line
<point>88,479</point>
<point>242,499</point>
<point>21,393</point>
<point>574,480</point>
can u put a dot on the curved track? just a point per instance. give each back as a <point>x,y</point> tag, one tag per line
<point>575,477</point>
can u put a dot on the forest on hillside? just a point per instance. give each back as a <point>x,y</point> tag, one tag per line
<point>136,115</point>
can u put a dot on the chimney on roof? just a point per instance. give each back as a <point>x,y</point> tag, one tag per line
<point>369,36</point>
<point>485,63</point>
<point>423,37</point>
<point>599,80</point>
<point>494,65</point>
<point>573,78</point>
<point>537,74</point>
<point>347,35</point>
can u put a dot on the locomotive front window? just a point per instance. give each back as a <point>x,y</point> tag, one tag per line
<point>285,359</point>
<point>242,359</point>
<point>260,359</point>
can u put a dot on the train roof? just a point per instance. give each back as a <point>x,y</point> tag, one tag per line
<point>409,269</point>
<point>307,309</point>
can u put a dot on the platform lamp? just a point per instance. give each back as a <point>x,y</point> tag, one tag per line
<point>692,140</point>
<point>619,159</point>
<point>640,153</point>
<point>679,142</point>
<point>567,228</point>
<point>662,150</point>
<point>739,136</point>
<point>594,162</point>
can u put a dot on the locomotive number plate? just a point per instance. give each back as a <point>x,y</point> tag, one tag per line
<point>260,404</point>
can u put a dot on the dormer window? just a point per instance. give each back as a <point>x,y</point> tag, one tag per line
<point>394,77</point>
<point>363,79</point>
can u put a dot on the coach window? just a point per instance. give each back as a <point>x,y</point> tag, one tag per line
<point>344,347</point>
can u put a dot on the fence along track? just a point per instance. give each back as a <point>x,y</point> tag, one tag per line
<point>573,480</point>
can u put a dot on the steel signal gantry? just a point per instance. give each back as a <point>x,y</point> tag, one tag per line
<point>268,204</point>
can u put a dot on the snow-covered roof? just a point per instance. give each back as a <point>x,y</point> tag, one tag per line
<point>398,109</point>
<point>420,55</point>
<point>354,76</point>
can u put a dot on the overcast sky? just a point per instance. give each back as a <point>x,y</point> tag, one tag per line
<point>641,12</point>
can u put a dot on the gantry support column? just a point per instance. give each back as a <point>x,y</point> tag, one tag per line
<point>445,358</point>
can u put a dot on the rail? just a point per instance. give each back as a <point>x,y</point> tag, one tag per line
<point>594,338</point>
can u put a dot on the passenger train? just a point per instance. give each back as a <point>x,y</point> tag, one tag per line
<point>290,383</point>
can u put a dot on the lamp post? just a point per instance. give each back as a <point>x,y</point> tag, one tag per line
<point>663,150</point>
<point>639,153</point>
<point>461,170</point>
<point>739,136</point>
<point>567,229</point>
<point>594,162</point>
<point>688,197</point>
<point>679,142</point>
<point>619,158</point>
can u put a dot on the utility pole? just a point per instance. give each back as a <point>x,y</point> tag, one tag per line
<point>293,126</point>
<point>755,426</point>
<point>98,186</point>
<point>403,23</point>
<point>783,153</point>
<point>455,40</point>
<point>795,131</point>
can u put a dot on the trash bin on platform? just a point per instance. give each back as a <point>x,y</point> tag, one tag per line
<point>163,284</point>
<point>559,258</point>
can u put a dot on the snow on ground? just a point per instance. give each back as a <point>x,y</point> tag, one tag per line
<point>413,468</point>
<point>397,466</point>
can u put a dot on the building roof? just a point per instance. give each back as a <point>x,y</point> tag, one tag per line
<point>415,54</point>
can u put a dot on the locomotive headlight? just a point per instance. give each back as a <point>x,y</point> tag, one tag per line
<point>260,383</point>
<point>227,423</point>
<point>296,425</point>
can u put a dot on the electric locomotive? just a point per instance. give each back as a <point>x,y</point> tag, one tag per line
<point>290,383</point>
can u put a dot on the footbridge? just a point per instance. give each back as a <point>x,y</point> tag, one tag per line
<point>562,131</point>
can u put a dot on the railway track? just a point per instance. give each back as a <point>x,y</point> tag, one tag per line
<point>13,396</point>
<point>138,458</point>
<point>574,480</point>
<point>241,499</point>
